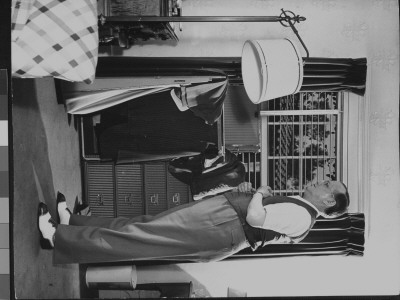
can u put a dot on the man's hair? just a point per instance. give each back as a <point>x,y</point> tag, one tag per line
<point>342,203</point>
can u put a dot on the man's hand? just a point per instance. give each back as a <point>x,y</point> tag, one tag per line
<point>265,191</point>
<point>245,187</point>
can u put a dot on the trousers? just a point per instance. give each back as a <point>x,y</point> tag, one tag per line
<point>200,231</point>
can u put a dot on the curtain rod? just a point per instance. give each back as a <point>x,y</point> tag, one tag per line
<point>287,18</point>
<point>124,19</point>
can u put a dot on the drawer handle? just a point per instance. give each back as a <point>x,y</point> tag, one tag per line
<point>154,199</point>
<point>100,200</point>
<point>176,199</point>
<point>128,199</point>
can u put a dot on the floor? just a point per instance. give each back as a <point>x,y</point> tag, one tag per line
<point>46,160</point>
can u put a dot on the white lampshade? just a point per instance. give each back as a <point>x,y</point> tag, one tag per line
<point>271,69</point>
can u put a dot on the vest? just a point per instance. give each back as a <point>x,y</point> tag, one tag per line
<point>240,202</point>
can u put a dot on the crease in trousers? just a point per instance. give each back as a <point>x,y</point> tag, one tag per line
<point>200,231</point>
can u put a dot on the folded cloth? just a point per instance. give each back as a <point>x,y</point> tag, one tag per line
<point>218,181</point>
<point>205,100</point>
<point>211,163</point>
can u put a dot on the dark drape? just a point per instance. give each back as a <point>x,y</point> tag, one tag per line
<point>339,236</point>
<point>335,74</point>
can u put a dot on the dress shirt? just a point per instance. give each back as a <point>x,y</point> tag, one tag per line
<point>288,218</point>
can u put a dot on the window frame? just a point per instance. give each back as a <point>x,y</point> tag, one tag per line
<point>265,116</point>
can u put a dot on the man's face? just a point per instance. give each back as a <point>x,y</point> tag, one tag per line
<point>322,194</point>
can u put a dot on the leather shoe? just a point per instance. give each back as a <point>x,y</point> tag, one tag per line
<point>44,228</point>
<point>80,208</point>
<point>61,199</point>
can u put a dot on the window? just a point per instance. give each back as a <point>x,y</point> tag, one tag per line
<point>301,138</point>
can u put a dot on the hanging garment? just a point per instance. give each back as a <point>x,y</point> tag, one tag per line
<point>153,128</point>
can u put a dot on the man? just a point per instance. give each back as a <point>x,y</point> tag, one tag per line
<point>206,230</point>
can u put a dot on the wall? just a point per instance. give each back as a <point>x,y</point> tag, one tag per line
<point>334,28</point>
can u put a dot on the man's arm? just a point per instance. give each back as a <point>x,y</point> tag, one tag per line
<point>255,212</point>
<point>291,220</point>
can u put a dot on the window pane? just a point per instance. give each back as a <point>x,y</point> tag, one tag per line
<point>301,141</point>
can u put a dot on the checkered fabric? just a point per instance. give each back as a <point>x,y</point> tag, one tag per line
<point>56,38</point>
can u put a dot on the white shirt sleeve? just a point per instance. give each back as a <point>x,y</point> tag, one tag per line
<point>287,218</point>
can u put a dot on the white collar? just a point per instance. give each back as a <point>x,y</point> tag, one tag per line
<point>308,202</point>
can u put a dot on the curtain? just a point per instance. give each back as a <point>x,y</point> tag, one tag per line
<point>93,101</point>
<point>335,74</point>
<point>339,236</point>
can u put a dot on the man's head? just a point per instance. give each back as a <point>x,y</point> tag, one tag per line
<point>330,197</point>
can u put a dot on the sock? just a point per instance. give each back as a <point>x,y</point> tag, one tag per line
<point>63,213</point>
